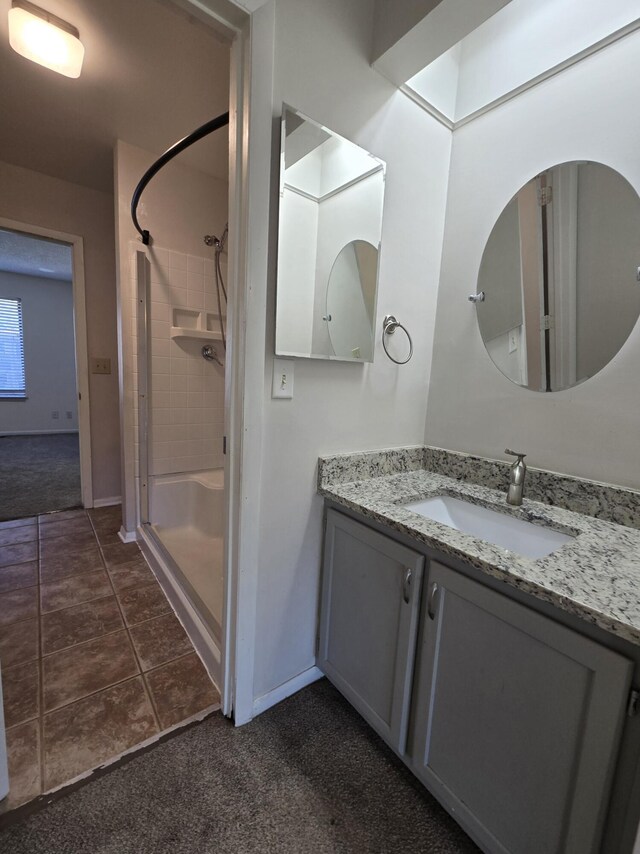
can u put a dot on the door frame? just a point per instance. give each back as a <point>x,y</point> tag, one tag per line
<point>81,348</point>
<point>250,28</point>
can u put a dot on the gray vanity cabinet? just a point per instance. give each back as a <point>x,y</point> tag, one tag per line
<point>516,719</point>
<point>369,623</point>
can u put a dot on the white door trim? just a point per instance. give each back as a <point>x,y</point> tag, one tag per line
<point>81,350</point>
<point>250,108</point>
<point>253,52</point>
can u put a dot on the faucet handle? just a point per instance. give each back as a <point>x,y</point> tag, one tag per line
<point>514,453</point>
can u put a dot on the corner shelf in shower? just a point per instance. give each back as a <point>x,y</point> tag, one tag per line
<point>197,334</point>
<point>194,325</point>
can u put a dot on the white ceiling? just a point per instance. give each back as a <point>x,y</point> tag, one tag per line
<point>34,256</point>
<point>151,75</point>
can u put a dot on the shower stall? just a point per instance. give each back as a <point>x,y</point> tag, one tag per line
<point>180,338</point>
<point>181,396</point>
<point>181,384</point>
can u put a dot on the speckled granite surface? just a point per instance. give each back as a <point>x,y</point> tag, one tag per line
<point>600,500</point>
<point>595,576</point>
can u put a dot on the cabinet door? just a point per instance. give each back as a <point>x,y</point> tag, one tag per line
<point>517,720</point>
<point>368,623</point>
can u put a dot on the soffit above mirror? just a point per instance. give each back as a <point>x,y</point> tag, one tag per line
<point>409,34</point>
<point>522,43</point>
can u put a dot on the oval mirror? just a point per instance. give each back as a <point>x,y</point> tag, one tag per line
<point>560,276</point>
<point>351,298</point>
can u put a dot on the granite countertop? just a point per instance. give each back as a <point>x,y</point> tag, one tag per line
<point>595,576</point>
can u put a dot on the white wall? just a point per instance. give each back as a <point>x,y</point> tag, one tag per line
<point>49,356</point>
<point>408,34</point>
<point>322,68</point>
<point>355,213</point>
<point>297,244</point>
<point>311,235</point>
<point>528,37</point>
<point>187,392</point>
<point>178,207</point>
<point>607,262</point>
<point>36,199</point>
<point>586,113</point>
<point>438,82</point>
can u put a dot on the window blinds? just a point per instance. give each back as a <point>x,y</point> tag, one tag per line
<point>12,381</point>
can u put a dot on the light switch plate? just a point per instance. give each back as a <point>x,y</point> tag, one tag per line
<point>282,385</point>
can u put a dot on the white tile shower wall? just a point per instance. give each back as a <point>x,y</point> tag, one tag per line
<point>186,392</point>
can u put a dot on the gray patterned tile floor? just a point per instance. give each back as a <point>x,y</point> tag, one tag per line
<point>94,662</point>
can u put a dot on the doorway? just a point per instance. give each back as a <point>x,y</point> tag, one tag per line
<point>119,581</point>
<point>44,425</point>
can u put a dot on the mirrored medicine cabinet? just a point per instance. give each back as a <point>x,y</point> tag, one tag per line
<point>559,284</point>
<point>329,227</point>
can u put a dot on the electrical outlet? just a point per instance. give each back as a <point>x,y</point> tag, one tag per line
<point>55,414</point>
<point>101,366</point>
<point>282,385</point>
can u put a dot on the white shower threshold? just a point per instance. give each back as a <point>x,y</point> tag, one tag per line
<point>199,557</point>
<point>203,630</point>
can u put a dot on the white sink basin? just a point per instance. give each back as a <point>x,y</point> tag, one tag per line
<point>516,535</point>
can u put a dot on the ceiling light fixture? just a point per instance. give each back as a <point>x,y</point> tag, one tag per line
<point>44,38</point>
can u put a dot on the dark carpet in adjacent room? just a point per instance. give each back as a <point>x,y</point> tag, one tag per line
<point>306,776</point>
<point>39,474</point>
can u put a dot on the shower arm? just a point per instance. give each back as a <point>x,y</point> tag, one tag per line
<point>170,153</point>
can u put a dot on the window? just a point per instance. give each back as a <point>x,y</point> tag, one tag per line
<point>12,383</point>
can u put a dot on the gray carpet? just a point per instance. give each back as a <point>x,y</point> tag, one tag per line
<point>38,474</point>
<point>307,776</point>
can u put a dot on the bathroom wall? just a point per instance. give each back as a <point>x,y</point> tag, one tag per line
<point>526,38</point>
<point>179,207</point>
<point>311,235</point>
<point>187,392</point>
<point>353,214</point>
<point>607,260</point>
<point>37,199</point>
<point>322,68</point>
<point>49,356</point>
<point>297,276</point>
<point>585,113</point>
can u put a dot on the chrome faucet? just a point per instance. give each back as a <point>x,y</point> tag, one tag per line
<point>516,478</point>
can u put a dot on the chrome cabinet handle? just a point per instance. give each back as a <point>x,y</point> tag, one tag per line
<point>431,601</point>
<point>406,585</point>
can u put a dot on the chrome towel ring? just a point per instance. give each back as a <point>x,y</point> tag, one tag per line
<point>389,326</point>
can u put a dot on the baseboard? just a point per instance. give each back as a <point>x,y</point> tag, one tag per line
<point>292,686</point>
<point>107,502</point>
<point>127,536</point>
<point>36,432</point>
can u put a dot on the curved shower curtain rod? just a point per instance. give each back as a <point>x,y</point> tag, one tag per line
<point>169,154</point>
